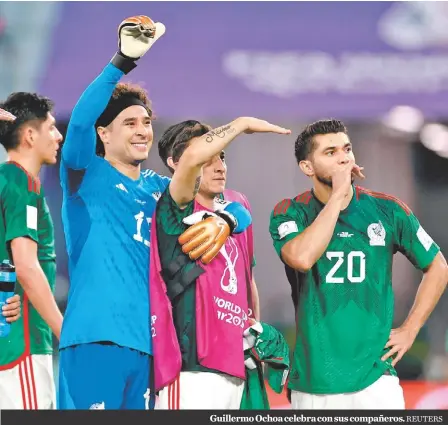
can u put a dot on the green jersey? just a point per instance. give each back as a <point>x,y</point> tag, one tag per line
<point>345,303</point>
<point>169,227</point>
<point>24,213</point>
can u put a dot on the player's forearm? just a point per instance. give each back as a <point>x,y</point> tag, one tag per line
<point>186,180</point>
<point>36,287</point>
<point>302,252</point>
<point>206,147</point>
<point>80,142</point>
<point>429,292</point>
<point>255,300</point>
<point>95,98</point>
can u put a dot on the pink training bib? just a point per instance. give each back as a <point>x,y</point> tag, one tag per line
<point>222,301</point>
<point>221,307</point>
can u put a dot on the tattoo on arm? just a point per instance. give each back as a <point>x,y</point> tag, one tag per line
<point>196,186</point>
<point>219,132</point>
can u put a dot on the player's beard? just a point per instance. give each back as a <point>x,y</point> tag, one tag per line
<point>327,180</point>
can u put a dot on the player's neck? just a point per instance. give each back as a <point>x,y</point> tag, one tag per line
<point>129,170</point>
<point>206,201</point>
<point>28,163</point>
<point>323,193</point>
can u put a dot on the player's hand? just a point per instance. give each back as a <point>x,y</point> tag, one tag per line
<point>400,341</point>
<point>205,237</point>
<point>11,310</point>
<point>137,35</point>
<point>255,125</point>
<point>6,116</point>
<point>342,177</point>
<point>357,172</point>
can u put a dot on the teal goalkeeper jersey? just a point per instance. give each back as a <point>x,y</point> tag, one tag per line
<point>345,303</point>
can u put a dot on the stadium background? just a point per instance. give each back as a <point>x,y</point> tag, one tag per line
<point>381,67</point>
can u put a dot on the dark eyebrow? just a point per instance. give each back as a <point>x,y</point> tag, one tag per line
<point>332,148</point>
<point>132,119</point>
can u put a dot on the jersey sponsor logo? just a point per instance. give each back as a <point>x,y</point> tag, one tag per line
<point>98,406</point>
<point>121,187</point>
<point>377,234</point>
<point>286,228</point>
<point>424,238</point>
<point>231,257</point>
<point>345,234</point>
<point>31,217</point>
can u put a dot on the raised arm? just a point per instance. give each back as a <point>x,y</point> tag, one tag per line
<point>303,251</point>
<point>186,180</point>
<point>136,36</point>
<point>80,141</point>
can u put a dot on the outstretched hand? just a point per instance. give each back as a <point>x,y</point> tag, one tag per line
<point>6,116</point>
<point>255,125</point>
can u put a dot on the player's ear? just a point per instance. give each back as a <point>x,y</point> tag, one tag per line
<point>103,133</point>
<point>29,135</point>
<point>171,163</point>
<point>307,168</point>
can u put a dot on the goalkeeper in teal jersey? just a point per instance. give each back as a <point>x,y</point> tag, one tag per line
<point>337,242</point>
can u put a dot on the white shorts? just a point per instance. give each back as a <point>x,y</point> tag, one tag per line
<point>385,393</point>
<point>202,390</point>
<point>29,385</point>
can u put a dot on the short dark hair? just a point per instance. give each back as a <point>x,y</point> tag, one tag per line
<point>176,138</point>
<point>29,108</point>
<point>123,91</point>
<point>304,145</point>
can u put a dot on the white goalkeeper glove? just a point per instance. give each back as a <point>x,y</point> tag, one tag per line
<point>137,35</point>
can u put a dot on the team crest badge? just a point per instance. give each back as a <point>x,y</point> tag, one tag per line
<point>377,234</point>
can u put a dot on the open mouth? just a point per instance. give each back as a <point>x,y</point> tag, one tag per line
<point>142,147</point>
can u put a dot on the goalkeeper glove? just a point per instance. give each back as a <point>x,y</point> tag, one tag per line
<point>136,35</point>
<point>209,230</point>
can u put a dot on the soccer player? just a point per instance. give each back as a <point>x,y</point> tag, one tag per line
<point>11,310</point>
<point>210,303</point>
<point>337,242</point>
<point>108,204</point>
<point>27,241</point>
